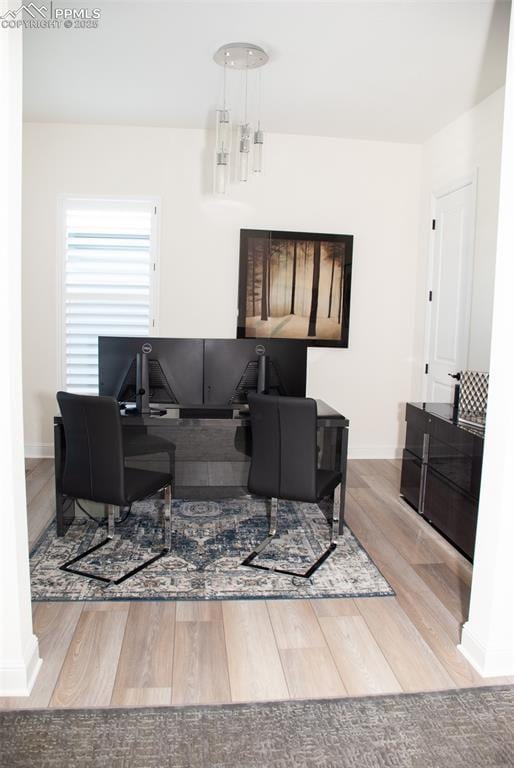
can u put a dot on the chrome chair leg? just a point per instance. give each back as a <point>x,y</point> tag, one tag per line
<point>336,514</point>
<point>111,516</point>
<point>273,513</point>
<point>167,539</point>
<point>168,500</point>
<point>272,530</point>
<point>272,524</point>
<point>334,530</point>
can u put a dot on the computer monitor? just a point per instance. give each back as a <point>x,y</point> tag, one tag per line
<point>234,367</point>
<point>175,368</point>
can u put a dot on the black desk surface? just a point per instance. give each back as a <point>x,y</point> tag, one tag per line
<point>240,413</point>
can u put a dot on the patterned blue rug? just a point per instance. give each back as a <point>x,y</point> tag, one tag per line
<point>210,539</point>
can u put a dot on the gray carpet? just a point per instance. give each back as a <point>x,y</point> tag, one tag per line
<point>471,728</point>
<point>210,540</point>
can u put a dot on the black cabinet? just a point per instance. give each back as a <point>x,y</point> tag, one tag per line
<point>441,468</point>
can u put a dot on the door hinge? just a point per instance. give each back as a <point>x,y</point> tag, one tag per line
<point>430,295</point>
<point>426,367</point>
<point>155,210</point>
<point>433,223</point>
<point>153,323</point>
<point>154,267</point>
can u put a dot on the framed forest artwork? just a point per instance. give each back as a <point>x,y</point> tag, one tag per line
<point>295,285</point>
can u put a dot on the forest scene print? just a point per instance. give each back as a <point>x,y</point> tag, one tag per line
<point>295,286</point>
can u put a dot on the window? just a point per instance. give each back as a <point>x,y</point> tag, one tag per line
<point>108,281</point>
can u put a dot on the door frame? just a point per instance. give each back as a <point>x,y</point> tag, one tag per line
<point>469,179</point>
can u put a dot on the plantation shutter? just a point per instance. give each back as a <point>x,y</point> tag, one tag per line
<point>109,269</point>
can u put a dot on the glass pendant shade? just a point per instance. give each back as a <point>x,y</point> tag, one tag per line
<point>258,145</point>
<point>223,142</point>
<point>244,151</point>
<point>223,130</point>
<point>222,165</point>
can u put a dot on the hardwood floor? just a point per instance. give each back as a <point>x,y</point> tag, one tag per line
<point>155,653</point>
<point>39,475</point>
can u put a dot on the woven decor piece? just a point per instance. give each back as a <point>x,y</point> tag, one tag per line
<point>471,728</point>
<point>473,389</point>
<point>210,540</point>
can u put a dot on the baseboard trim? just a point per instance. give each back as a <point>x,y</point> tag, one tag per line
<point>375,452</point>
<point>39,450</point>
<point>46,451</point>
<point>489,661</point>
<point>17,679</point>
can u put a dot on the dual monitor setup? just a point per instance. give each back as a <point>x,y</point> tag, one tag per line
<point>140,371</point>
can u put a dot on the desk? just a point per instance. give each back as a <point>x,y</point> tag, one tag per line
<point>212,455</point>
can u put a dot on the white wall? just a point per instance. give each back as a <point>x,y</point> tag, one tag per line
<point>488,635</point>
<point>19,655</point>
<point>471,143</point>
<point>368,189</point>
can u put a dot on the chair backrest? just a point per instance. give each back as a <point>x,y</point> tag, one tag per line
<point>284,452</point>
<point>93,466</point>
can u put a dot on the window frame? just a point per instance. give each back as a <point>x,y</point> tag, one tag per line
<point>85,201</point>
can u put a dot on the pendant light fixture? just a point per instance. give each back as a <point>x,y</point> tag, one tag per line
<point>244,57</point>
<point>223,140</point>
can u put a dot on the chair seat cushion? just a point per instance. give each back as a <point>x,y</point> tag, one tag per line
<point>136,443</point>
<point>326,482</point>
<point>140,483</point>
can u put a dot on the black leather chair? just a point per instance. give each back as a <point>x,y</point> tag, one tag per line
<point>94,467</point>
<point>284,465</point>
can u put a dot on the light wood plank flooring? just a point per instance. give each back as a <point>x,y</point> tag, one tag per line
<point>155,653</point>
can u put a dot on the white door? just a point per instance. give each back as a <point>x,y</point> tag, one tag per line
<point>450,290</point>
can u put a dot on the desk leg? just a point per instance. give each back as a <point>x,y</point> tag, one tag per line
<point>64,508</point>
<point>334,455</point>
<point>343,459</point>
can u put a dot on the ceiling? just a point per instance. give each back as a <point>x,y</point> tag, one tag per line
<point>394,71</point>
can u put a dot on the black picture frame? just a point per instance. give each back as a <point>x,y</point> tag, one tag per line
<point>307,278</point>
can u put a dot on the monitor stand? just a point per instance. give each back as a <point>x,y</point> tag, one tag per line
<point>142,406</point>
<point>262,375</point>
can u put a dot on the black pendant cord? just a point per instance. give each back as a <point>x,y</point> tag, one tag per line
<point>101,522</point>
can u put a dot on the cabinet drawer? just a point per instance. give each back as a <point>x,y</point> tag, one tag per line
<point>411,478</point>
<point>452,512</point>
<point>460,468</point>
<point>453,465</point>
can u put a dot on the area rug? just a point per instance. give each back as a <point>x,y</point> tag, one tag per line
<point>210,540</point>
<point>471,728</point>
